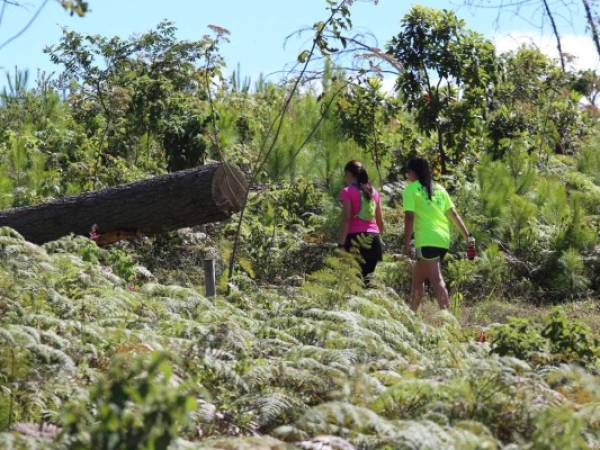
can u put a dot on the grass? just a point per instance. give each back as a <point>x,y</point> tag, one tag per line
<point>487,312</point>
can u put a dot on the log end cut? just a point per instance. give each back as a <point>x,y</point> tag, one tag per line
<point>229,188</point>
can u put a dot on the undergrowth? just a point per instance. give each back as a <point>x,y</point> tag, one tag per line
<point>325,364</point>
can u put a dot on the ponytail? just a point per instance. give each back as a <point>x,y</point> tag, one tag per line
<point>420,167</point>
<point>362,177</point>
<point>363,184</point>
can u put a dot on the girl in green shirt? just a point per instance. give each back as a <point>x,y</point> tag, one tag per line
<point>428,212</point>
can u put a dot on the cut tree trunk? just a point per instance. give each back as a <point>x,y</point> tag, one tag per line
<point>182,199</point>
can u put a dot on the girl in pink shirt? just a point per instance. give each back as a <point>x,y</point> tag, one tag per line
<point>359,193</point>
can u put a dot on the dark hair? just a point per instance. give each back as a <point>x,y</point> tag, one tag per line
<point>362,177</point>
<point>420,167</point>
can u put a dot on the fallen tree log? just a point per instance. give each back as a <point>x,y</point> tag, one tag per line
<point>191,197</point>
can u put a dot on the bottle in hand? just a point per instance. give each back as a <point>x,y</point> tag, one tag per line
<point>471,250</point>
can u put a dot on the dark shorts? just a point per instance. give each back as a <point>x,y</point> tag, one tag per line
<point>371,255</point>
<point>431,253</point>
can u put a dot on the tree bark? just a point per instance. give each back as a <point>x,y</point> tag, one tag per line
<point>442,151</point>
<point>191,197</point>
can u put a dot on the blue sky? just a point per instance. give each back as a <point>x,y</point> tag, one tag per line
<point>258,27</point>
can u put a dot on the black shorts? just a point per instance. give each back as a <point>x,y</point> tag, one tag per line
<point>431,253</point>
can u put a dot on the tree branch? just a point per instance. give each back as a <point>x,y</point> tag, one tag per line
<point>266,151</point>
<point>592,24</point>
<point>27,25</point>
<point>556,34</point>
<point>3,10</point>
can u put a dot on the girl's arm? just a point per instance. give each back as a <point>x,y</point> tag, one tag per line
<point>459,223</point>
<point>379,218</point>
<point>346,217</point>
<point>409,222</point>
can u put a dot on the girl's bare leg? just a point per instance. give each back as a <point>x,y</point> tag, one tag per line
<point>435,277</point>
<point>417,288</point>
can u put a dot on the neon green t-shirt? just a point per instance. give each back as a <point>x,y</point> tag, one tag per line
<point>432,227</point>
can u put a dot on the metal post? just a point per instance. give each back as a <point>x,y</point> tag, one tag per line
<point>209,277</point>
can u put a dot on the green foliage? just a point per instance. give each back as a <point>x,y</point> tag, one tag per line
<point>78,7</point>
<point>137,407</point>
<point>184,141</point>
<point>325,357</point>
<point>339,278</point>
<point>588,162</point>
<point>572,275</point>
<point>321,157</point>
<point>363,110</point>
<point>531,98</point>
<point>447,74</point>
<point>121,262</point>
<point>538,218</point>
<point>518,337</point>
<point>300,354</point>
<point>559,428</point>
<point>270,248</point>
<point>482,278</point>
<point>571,339</point>
<point>565,339</point>
<point>519,151</point>
<point>151,91</point>
<point>298,201</point>
<point>117,259</point>
<point>26,177</point>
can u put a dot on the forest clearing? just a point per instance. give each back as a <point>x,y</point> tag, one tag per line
<point>143,162</point>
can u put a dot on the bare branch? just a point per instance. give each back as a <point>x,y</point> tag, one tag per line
<point>592,24</point>
<point>27,25</point>
<point>269,142</point>
<point>556,34</point>
<point>2,11</point>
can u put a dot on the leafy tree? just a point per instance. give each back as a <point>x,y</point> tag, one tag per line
<point>136,91</point>
<point>532,96</point>
<point>184,139</point>
<point>587,83</point>
<point>448,72</point>
<point>364,111</point>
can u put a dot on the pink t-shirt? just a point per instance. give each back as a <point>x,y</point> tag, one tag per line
<point>352,193</point>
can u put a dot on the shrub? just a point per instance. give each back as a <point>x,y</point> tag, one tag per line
<point>569,339</point>
<point>487,275</point>
<point>558,429</point>
<point>278,225</point>
<point>517,337</point>
<point>121,262</point>
<point>565,340</point>
<point>136,407</point>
